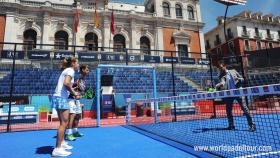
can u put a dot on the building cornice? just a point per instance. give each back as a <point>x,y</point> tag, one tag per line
<point>243,19</point>
<point>119,15</point>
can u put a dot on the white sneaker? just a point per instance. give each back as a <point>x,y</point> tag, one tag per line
<point>66,146</point>
<point>60,152</point>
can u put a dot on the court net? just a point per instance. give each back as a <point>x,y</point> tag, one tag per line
<point>201,120</point>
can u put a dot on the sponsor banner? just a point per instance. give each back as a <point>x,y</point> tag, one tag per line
<point>8,54</point>
<point>133,58</point>
<point>107,103</point>
<point>83,56</point>
<point>38,54</point>
<point>169,59</point>
<point>110,57</point>
<point>248,91</point>
<point>184,111</point>
<point>16,100</point>
<point>62,55</point>
<point>151,59</point>
<point>19,108</point>
<point>185,60</point>
<point>203,61</point>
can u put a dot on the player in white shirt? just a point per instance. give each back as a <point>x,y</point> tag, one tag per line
<point>60,103</point>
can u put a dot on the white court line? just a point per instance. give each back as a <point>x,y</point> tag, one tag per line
<point>260,154</point>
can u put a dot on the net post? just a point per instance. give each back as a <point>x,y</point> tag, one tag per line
<point>98,96</point>
<point>11,89</point>
<point>126,56</point>
<point>155,95</point>
<point>128,112</point>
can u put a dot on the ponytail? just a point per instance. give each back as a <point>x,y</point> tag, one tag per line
<point>67,62</point>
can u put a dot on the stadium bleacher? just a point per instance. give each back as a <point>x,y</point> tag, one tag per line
<point>255,79</point>
<point>264,79</point>
<point>43,81</point>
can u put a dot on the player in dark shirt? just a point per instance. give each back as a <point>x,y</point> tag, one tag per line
<point>75,105</point>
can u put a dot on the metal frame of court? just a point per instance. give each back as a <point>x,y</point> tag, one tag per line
<point>98,79</point>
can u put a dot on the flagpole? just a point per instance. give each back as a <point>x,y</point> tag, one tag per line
<point>75,42</point>
<point>110,41</point>
<point>75,33</point>
<point>74,49</point>
<point>95,19</point>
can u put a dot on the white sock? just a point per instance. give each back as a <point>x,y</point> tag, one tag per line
<point>64,142</point>
<point>76,129</point>
<point>69,131</point>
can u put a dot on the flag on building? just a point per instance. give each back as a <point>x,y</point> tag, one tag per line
<point>96,18</point>
<point>112,26</point>
<point>76,21</point>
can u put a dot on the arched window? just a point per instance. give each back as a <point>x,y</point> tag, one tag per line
<point>119,43</point>
<point>145,45</point>
<point>190,13</point>
<point>61,40</point>
<point>30,38</point>
<point>178,11</point>
<point>166,9</point>
<point>91,41</point>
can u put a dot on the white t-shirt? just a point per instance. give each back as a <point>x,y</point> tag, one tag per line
<point>60,90</point>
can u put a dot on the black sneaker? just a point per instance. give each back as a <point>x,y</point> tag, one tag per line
<point>231,128</point>
<point>252,128</point>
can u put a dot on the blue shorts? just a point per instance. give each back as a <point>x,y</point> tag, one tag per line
<point>60,103</point>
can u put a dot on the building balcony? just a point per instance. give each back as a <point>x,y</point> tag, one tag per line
<point>191,18</point>
<point>245,34</point>
<point>258,35</point>
<point>179,16</point>
<point>269,36</point>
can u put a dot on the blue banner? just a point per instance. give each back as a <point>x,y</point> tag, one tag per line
<point>8,54</point>
<point>169,59</point>
<point>184,111</point>
<point>62,55</point>
<point>152,59</point>
<point>241,92</point>
<point>203,62</point>
<point>127,96</point>
<point>107,103</point>
<point>38,54</point>
<point>83,56</point>
<point>133,58</point>
<point>19,108</point>
<point>110,57</point>
<point>186,60</point>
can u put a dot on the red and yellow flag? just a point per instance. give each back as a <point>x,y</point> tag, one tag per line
<point>112,26</point>
<point>76,20</point>
<point>96,18</point>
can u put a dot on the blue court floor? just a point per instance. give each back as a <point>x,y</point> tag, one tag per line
<point>213,132</point>
<point>107,142</point>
